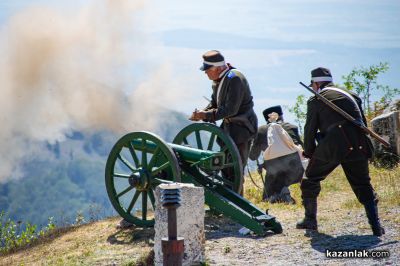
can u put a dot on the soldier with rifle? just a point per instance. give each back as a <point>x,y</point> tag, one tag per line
<point>335,118</point>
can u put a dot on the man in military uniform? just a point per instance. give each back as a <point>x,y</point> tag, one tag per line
<point>260,144</point>
<point>339,142</point>
<point>231,102</point>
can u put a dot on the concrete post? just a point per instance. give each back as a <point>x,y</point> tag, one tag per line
<point>190,225</point>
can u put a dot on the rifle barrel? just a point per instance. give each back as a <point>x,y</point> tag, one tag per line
<point>347,116</point>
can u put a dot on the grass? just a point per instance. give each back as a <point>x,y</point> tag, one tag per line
<point>96,243</point>
<point>384,181</point>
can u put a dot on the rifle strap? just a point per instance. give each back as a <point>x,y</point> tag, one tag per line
<point>350,97</point>
<point>251,178</point>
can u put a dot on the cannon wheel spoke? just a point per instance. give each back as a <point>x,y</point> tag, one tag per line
<point>144,205</point>
<point>152,161</point>
<point>198,140</point>
<point>144,153</point>
<point>211,142</point>
<point>160,168</point>
<point>154,158</point>
<point>152,199</point>
<point>134,199</point>
<point>121,175</point>
<point>124,191</point>
<point>125,162</point>
<point>133,153</point>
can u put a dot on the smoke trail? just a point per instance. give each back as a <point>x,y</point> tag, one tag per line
<point>60,73</point>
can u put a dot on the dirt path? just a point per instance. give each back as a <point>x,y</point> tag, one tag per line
<point>338,230</point>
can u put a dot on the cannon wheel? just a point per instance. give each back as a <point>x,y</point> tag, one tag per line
<point>206,136</point>
<point>133,172</point>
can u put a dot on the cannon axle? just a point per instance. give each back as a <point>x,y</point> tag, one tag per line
<point>141,180</point>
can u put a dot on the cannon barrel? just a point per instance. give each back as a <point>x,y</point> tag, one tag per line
<point>207,159</point>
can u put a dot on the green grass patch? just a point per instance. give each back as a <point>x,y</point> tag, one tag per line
<point>384,181</point>
<point>386,185</point>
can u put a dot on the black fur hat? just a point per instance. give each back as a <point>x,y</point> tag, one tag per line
<point>277,109</point>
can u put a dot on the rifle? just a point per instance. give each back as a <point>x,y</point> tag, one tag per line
<point>348,117</point>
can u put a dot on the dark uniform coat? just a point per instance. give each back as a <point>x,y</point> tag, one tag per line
<point>234,106</point>
<point>339,142</point>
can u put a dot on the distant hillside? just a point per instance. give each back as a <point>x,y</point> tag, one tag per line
<point>66,179</point>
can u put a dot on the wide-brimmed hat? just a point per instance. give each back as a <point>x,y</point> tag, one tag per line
<point>320,74</point>
<point>273,109</point>
<point>212,58</point>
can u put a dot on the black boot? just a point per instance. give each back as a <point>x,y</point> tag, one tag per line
<point>371,209</point>
<point>310,213</point>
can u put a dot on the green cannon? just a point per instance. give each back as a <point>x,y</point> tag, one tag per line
<point>201,154</point>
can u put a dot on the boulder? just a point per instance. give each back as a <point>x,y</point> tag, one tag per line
<point>388,127</point>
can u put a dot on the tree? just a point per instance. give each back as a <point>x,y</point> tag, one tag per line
<point>364,81</point>
<point>300,111</point>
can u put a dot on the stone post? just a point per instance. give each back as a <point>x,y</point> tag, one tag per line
<point>190,224</point>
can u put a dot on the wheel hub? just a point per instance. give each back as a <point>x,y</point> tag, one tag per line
<point>140,180</point>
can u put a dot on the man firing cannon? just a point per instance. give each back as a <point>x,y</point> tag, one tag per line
<point>231,102</point>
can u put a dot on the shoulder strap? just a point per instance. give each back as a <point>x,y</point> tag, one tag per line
<point>220,86</point>
<point>349,96</point>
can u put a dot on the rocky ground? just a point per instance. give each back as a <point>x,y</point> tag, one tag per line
<point>339,229</point>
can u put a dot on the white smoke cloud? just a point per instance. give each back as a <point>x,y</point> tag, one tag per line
<point>76,72</point>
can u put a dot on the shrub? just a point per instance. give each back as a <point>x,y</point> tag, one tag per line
<point>14,235</point>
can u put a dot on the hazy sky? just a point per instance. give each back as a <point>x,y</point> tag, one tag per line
<point>115,64</point>
<point>275,43</point>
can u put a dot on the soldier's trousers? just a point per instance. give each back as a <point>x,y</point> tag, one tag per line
<point>228,173</point>
<point>244,149</point>
<point>357,174</point>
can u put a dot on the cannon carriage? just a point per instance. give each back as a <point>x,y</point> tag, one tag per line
<point>202,154</point>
